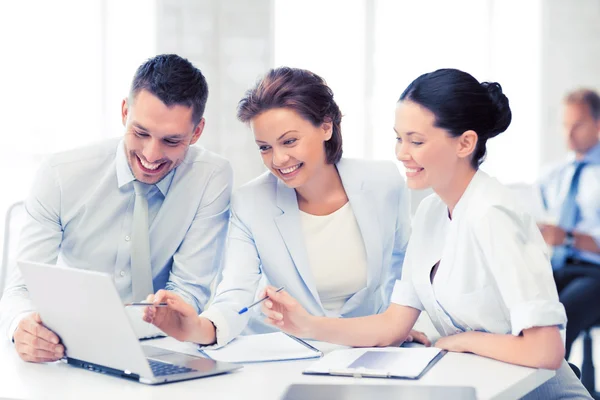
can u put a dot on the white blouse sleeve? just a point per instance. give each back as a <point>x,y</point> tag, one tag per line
<point>515,251</point>
<point>404,292</point>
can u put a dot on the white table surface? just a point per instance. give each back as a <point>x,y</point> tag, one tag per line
<point>265,381</point>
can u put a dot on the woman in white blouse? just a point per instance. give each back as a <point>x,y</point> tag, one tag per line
<point>476,263</point>
<point>333,231</point>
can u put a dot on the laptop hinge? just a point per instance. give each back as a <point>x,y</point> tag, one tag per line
<point>102,369</point>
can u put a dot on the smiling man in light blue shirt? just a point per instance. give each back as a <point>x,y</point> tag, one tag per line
<point>80,212</point>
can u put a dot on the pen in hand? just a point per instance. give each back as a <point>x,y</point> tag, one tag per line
<point>243,310</point>
<point>145,304</point>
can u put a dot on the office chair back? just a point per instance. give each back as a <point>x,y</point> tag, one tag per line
<point>13,222</point>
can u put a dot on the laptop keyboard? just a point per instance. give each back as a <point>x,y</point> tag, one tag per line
<point>160,368</point>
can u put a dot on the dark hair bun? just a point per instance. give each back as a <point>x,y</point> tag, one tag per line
<point>460,103</point>
<point>500,102</point>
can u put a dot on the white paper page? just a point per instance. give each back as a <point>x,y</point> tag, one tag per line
<point>402,362</point>
<point>275,346</point>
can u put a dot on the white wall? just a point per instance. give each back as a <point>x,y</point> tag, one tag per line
<point>570,59</point>
<point>63,77</point>
<point>315,35</point>
<point>129,38</point>
<point>516,61</point>
<point>371,52</point>
<point>50,85</point>
<point>231,42</point>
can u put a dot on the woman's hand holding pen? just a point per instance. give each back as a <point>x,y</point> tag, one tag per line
<point>178,319</point>
<point>285,313</point>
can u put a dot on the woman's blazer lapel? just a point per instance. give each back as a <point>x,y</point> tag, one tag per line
<point>290,228</point>
<point>364,207</point>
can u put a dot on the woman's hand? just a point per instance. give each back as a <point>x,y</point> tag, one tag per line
<point>419,337</point>
<point>457,343</point>
<point>285,313</point>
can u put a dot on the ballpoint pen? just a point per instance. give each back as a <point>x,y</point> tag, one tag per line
<point>146,304</point>
<point>304,343</point>
<point>243,310</point>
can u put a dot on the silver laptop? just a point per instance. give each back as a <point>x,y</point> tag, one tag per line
<point>84,309</point>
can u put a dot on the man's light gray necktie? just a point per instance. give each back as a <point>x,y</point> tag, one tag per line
<point>141,268</point>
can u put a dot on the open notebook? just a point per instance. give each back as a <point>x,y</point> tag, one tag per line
<point>276,346</point>
<point>387,362</point>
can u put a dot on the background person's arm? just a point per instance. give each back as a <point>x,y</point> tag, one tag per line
<point>587,242</point>
<point>555,236</point>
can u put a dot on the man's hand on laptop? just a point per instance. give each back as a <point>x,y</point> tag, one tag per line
<point>36,343</point>
<point>178,319</point>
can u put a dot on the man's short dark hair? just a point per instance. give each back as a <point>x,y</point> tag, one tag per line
<point>175,81</point>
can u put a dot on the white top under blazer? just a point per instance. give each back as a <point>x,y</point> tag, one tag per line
<point>336,255</point>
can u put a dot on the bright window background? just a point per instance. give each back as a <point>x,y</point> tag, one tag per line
<point>378,47</point>
<point>66,66</point>
<point>412,40</point>
<point>50,78</point>
<point>318,35</point>
<point>63,77</point>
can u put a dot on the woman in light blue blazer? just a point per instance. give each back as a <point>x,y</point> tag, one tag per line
<point>332,231</point>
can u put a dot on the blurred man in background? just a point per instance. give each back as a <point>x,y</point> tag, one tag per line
<point>571,196</point>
